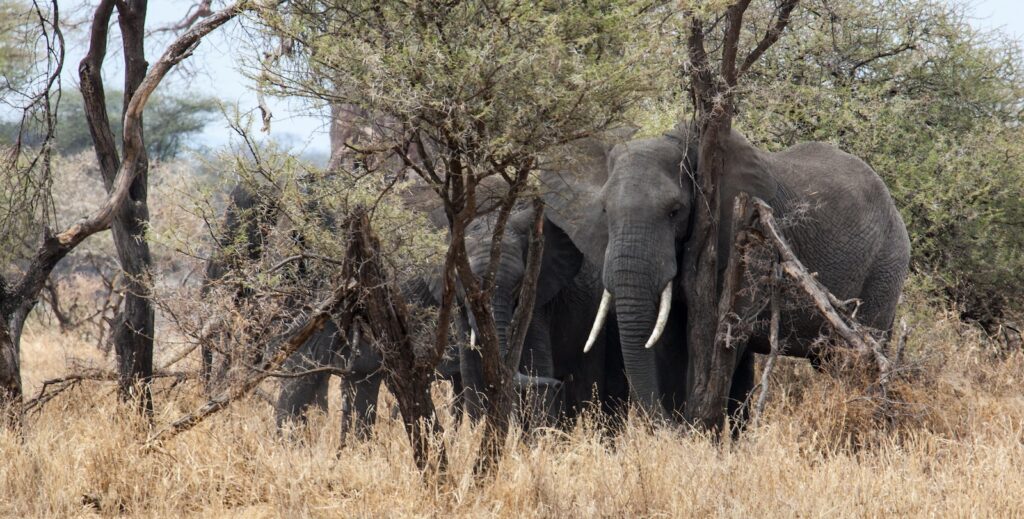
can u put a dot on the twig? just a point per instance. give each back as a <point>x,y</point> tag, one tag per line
<point>66,382</point>
<point>901,342</point>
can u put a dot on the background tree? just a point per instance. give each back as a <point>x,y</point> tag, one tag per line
<point>171,122</point>
<point>17,298</point>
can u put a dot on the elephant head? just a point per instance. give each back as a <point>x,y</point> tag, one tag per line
<point>559,265</point>
<point>629,209</point>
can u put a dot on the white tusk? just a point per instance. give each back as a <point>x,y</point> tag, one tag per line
<point>472,338</point>
<point>663,308</point>
<point>602,314</point>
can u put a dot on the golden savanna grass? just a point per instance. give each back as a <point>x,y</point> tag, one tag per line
<point>955,447</point>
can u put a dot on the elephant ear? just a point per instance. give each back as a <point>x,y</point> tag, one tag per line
<point>560,263</point>
<point>572,180</point>
<point>747,169</point>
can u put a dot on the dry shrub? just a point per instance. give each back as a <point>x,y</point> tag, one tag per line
<point>954,449</point>
<point>952,382</point>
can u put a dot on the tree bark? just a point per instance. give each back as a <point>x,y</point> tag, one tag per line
<point>133,326</point>
<point>10,376</point>
<point>710,367</point>
<point>134,333</point>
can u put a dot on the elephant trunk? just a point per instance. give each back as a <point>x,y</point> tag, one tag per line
<point>503,307</point>
<point>632,278</point>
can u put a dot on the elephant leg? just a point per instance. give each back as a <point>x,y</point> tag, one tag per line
<point>537,359</point>
<point>471,368</point>
<point>615,397</point>
<point>301,393</point>
<point>543,397</point>
<point>672,362</point>
<point>739,392</point>
<point>359,405</point>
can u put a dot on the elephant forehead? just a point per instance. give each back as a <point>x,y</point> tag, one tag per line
<point>643,174</point>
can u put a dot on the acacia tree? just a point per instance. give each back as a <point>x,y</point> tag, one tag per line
<point>461,92</point>
<point>713,86</point>
<point>935,106</point>
<point>19,296</point>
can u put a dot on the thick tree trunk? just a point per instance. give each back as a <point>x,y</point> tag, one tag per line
<point>710,368</point>
<point>406,374</point>
<point>10,374</point>
<point>133,333</point>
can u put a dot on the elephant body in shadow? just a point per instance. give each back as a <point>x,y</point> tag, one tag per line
<point>627,207</point>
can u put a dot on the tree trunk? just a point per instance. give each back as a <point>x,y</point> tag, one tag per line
<point>710,368</point>
<point>133,333</point>
<point>10,375</point>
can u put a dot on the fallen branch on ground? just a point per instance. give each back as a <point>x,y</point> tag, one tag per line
<point>55,386</point>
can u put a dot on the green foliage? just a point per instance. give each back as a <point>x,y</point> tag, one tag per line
<point>933,105</point>
<point>169,121</point>
<point>494,82</point>
<point>17,54</point>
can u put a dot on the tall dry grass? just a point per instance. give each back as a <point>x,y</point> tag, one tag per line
<point>954,448</point>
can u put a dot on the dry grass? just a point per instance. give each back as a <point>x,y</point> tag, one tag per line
<point>955,449</point>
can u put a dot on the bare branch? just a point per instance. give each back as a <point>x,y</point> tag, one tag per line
<point>528,291</point>
<point>732,40</point>
<point>55,247</point>
<point>295,340</point>
<point>195,13</point>
<point>782,14</point>
<point>773,340</point>
<point>853,333</point>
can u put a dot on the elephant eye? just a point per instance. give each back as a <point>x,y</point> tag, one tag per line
<point>673,213</point>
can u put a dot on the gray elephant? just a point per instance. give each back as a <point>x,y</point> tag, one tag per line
<point>330,352</point>
<point>359,365</point>
<point>553,367</point>
<point>633,220</point>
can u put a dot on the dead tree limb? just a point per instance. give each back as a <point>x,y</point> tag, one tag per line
<point>849,329</point>
<point>405,375</point>
<point>528,291</point>
<point>773,340</point>
<point>851,332</point>
<point>341,292</point>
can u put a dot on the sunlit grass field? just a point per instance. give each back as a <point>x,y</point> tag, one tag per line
<point>951,445</point>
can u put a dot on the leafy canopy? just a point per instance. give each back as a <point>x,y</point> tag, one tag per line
<point>494,83</point>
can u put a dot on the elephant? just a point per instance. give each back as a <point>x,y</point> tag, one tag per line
<point>359,365</point>
<point>632,218</point>
<point>553,372</point>
<point>250,215</point>
<point>552,368</point>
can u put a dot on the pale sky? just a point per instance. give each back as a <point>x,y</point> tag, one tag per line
<point>218,74</point>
